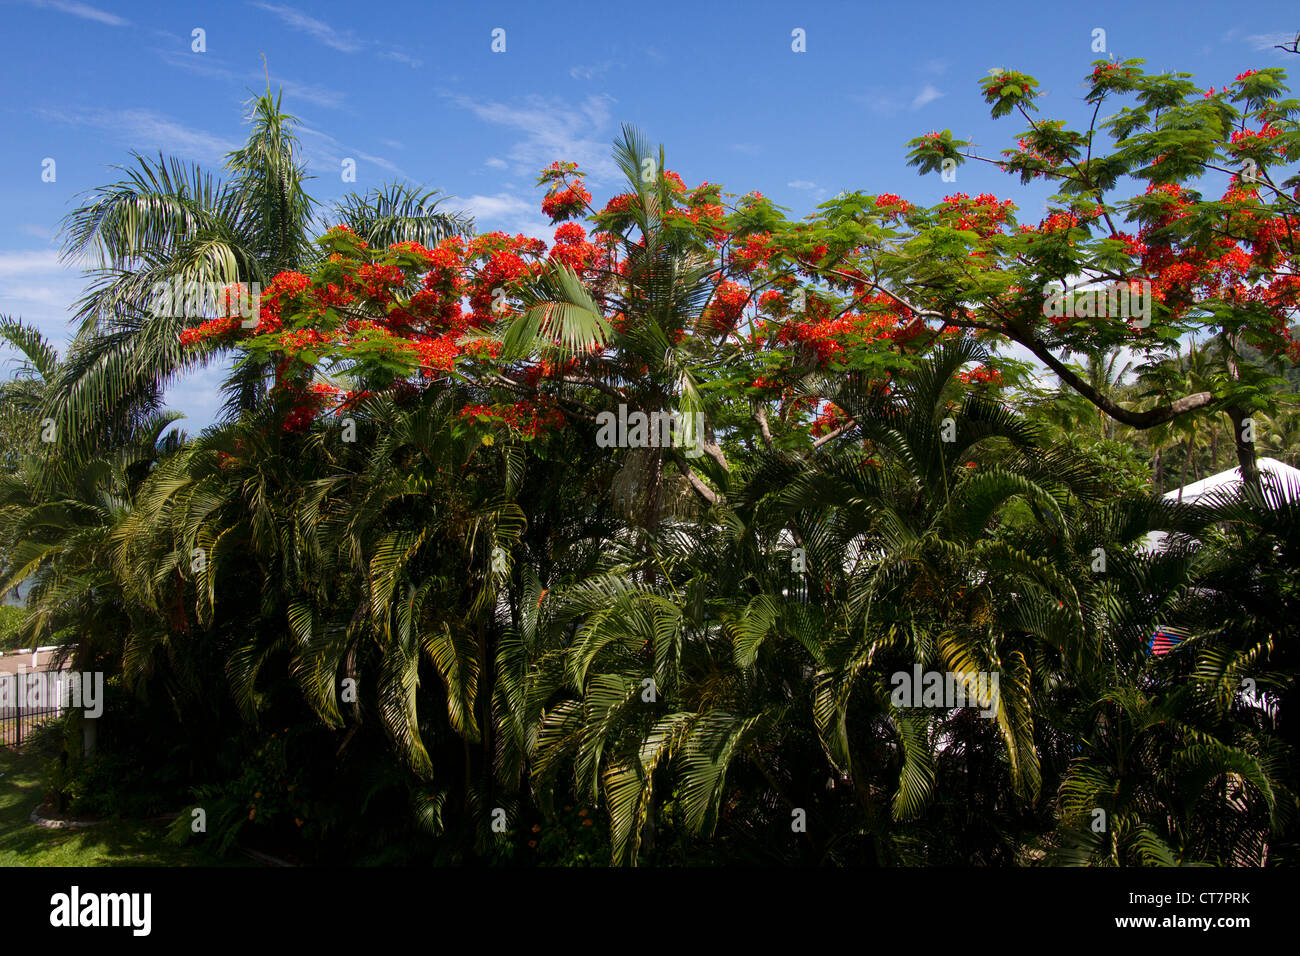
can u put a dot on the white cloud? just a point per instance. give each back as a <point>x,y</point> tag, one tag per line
<point>329,153</point>
<point>818,193</point>
<point>40,232</point>
<point>400,57</point>
<point>888,102</point>
<point>880,101</point>
<point>198,64</point>
<point>82,10</point>
<point>345,41</point>
<point>1266,41</point>
<point>309,92</point>
<point>29,263</point>
<point>381,163</point>
<point>749,149</point>
<point>928,94</point>
<point>553,130</point>
<point>197,393</point>
<point>312,93</point>
<point>342,40</point>
<point>147,132</point>
<point>589,72</point>
<point>37,288</point>
<point>496,163</point>
<point>508,212</point>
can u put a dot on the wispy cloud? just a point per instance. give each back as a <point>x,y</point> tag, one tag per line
<point>400,57</point>
<point>880,101</point>
<point>39,289</point>
<point>26,263</point>
<point>553,129</point>
<point>82,10</point>
<point>312,93</point>
<point>590,72</point>
<point>818,193</point>
<point>197,393</point>
<point>928,94</point>
<point>148,131</point>
<point>307,92</point>
<point>508,212</point>
<point>345,41</point>
<point>342,40</point>
<point>1266,41</point>
<point>326,153</point>
<point>747,149</point>
<point>890,102</point>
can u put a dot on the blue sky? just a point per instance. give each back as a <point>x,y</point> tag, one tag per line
<point>413,91</point>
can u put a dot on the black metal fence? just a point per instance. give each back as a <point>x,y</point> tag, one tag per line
<point>26,700</point>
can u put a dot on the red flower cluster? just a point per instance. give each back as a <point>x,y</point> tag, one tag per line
<point>435,355</point>
<point>980,375</point>
<point>828,421</point>
<point>380,282</point>
<point>725,310</point>
<point>983,214</point>
<point>526,418</point>
<point>754,250</point>
<point>572,248</point>
<point>829,337</point>
<point>211,329</point>
<point>618,205</point>
<point>566,203</point>
<point>411,245</point>
<point>891,205</point>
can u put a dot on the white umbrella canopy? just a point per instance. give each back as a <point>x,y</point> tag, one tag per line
<point>1283,476</point>
<point>1288,479</point>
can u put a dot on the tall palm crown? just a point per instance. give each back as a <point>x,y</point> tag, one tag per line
<point>167,221</point>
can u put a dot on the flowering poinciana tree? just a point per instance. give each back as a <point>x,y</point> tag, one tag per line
<point>666,293</point>
<point>687,300</point>
<point>1222,268</point>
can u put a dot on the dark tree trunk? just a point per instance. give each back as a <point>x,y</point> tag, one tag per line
<point>1244,443</point>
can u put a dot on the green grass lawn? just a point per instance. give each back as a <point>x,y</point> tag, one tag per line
<point>22,843</point>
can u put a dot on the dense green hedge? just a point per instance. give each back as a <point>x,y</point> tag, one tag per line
<point>11,619</point>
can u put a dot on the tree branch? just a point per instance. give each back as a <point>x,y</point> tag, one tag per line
<point>1147,418</point>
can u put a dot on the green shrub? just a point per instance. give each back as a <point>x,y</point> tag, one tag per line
<point>266,796</point>
<point>11,619</point>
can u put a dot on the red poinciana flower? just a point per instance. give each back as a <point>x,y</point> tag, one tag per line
<point>727,305</point>
<point>566,203</point>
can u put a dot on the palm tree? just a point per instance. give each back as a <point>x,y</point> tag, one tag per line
<point>668,280</point>
<point>59,509</point>
<point>768,681</point>
<point>167,221</point>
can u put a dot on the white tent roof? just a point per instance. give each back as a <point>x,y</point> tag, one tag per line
<point>1288,479</point>
<point>1284,476</point>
